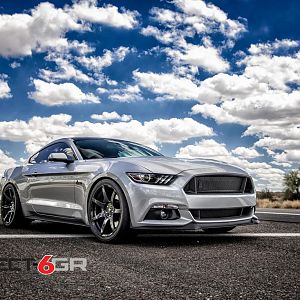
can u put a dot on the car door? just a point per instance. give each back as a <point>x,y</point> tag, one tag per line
<point>51,184</point>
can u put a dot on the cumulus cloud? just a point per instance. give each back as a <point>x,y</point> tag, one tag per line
<point>52,94</point>
<point>204,56</point>
<point>200,15</point>
<point>65,71</point>
<point>6,162</point>
<point>288,156</point>
<point>45,26</point>
<point>97,63</point>
<point>40,130</point>
<point>109,15</point>
<point>130,93</point>
<point>264,174</point>
<point>270,47</point>
<point>167,85</point>
<point>246,152</point>
<point>4,87</point>
<point>108,116</point>
<point>265,97</point>
<point>193,18</point>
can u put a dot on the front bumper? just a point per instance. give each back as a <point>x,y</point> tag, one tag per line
<point>143,197</point>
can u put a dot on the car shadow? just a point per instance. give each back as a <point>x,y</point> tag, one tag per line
<point>140,238</point>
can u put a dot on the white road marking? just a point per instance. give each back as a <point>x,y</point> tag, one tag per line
<point>76,236</point>
<point>45,236</point>
<point>276,213</point>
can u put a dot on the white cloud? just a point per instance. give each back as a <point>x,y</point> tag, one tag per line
<point>130,93</point>
<point>194,17</point>
<point>97,63</point>
<point>276,71</point>
<point>109,15</point>
<point>106,116</point>
<point>288,156</point>
<point>268,48</point>
<point>209,15</point>
<point>205,56</point>
<point>264,174</point>
<point>165,36</point>
<point>65,71</point>
<point>168,85</point>
<point>52,94</point>
<point>4,87</point>
<point>199,16</point>
<point>43,28</point>
<point>265,97</point>
<point>6,162</point>
<point>15,65</point>
<point>246,152</point>
<point>40,130</point>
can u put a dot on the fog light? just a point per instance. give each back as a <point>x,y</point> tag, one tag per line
<point>163,215</point>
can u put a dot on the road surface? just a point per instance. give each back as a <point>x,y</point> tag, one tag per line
<point>254,262</point>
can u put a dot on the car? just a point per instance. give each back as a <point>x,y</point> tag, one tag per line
<point>118,187</point>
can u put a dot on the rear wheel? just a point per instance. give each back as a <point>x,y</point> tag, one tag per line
<point>108,212</point>
<point>11,210</point>
<point>218,230</point>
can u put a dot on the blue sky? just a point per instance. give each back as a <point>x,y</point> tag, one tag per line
<point>192,78</point>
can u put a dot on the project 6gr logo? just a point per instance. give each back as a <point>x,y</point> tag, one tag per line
<point>45,266</point>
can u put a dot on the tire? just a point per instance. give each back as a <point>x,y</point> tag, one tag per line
<point>108,212</point>
<point>218,230</point>
<point>11,210</point>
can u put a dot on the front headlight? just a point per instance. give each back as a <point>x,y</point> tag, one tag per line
<point>152,178</point>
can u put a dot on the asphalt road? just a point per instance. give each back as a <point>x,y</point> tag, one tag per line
<point>277,214</point>
<point>193,266</point>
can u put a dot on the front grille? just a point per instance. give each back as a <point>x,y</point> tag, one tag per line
<point>221,213</point>
<point>213,184</point>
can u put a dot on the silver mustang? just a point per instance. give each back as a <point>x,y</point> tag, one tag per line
<point>116,186</point>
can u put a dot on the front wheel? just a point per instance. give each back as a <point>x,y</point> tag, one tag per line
<point>218,230</point>
<point>108,212</point>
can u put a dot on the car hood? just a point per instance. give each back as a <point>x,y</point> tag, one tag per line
<point>169,165</point>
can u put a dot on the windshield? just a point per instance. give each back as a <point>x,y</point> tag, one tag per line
<point>105,148</point>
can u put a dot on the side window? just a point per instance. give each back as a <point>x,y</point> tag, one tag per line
<point>43,155</point>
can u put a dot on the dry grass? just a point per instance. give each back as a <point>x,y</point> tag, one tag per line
<point>266,203</point>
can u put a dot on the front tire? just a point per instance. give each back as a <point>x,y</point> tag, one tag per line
<point>108,212</point>
<point>11,210</point>
<point>218,230</point>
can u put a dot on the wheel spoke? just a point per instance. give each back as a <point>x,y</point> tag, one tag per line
<point>112,198</point>
<point>97,202</point>
<point>103,225</point>
<point>117,211</point>
<point>105,198</point>
<point>8,213</point>
<point>11,216</point>
<point>112,224</point>
<point>98,216</point>
<point>8,196</point>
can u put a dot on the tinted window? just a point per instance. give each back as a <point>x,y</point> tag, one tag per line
<point>104,148</point>
<point>43,155</point>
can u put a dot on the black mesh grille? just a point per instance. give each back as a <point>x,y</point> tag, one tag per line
<point>221,213</point>
<point>219,184</point>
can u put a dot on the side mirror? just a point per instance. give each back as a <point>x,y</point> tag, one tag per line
<point>60,157</point>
